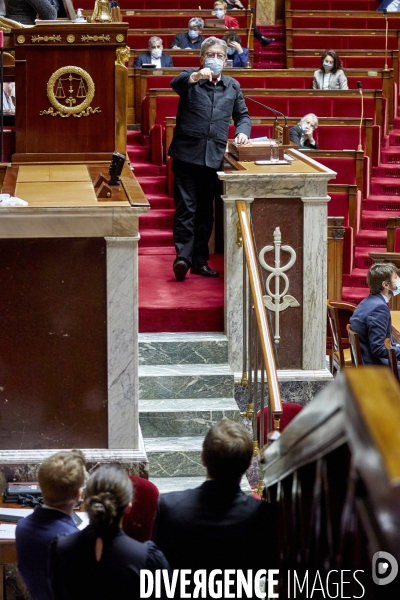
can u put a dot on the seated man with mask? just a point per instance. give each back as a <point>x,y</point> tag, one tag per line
<point>372,320</point>
<point>236,53</point>
<point>155,56</point>
<point>302,133</point>
<point>191,40</point>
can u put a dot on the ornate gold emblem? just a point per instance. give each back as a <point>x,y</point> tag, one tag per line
<point>21,39</point>
<point>46,38</point>
<point>120,37</point>
<point>95,38</point>
<point>70,38</point>
<point>122,55</point>
<point>64,88</point>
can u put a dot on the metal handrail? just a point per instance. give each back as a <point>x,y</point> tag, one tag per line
<point>275,401</point>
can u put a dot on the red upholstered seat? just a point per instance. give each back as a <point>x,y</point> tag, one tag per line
<point>139,518</point>
<point>397,240</point>
<point>289,411</point>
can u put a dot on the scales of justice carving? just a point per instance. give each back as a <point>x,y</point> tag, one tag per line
<point>70,91</point>
<point>273,300</point>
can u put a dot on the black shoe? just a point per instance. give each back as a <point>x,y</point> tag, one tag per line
<point>180,269</point>
<point>264,41</point>
<point>204,270</point>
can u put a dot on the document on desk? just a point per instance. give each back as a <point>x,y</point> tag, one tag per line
<point>7,532</point>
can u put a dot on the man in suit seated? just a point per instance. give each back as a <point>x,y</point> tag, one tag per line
<point>61,479</point>
<point>302,134</point>
<point>155,55</point>
<point>191,40</point>
<point>371,319</point>
<point>216,525</point>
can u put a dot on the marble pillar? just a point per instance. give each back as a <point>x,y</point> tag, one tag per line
<point>305,181</point>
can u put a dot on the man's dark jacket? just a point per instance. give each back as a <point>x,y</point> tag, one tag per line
<point>182,40</point>
<point>146,59</point>
<point>203,118</point>
<point>214,526</point>
<point>295,134</point>
<point>373,323</point>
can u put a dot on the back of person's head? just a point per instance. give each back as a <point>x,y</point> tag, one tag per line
<point>232,37</point>
<point>61,476</point>
<point>108,493</point>
<point>227,450</point>
<point>337,63</point>
<point>378,273</point>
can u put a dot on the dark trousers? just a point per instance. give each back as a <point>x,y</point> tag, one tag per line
<point>194,190</point>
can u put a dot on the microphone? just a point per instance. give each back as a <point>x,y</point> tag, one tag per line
<point>386,36</point>
<point>285,132</point>
<point>359,85</point>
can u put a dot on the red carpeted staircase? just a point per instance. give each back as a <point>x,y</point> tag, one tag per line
<point>274,55</point>
<point>383,201</point>
<point>166,305</point>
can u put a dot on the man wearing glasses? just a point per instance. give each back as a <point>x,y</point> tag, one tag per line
<point>208,100</point>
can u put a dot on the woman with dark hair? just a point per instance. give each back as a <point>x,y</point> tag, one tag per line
<point>331,75</point>
<point>101,561</point>
<point>235,52</point>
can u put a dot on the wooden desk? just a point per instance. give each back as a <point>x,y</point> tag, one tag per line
<point>396,324</point>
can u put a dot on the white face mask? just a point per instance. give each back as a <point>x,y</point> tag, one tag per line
<point>214,64</point>
<point>327,66</point>
<point>396,292</point>
<point>219,14</point>
<point>156,53</point>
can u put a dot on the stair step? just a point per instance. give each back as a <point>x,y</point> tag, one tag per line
<point>386,171</point>
<point>159,201</point>
<point>377,203</point>
<point>385,185</point>
<point>394,137</point>
<point>153,185</point>
<point>157,219</point>
<point>156,237</point>
<point>373,219</point>
<point>175,417</point>
<point>362,260</point>
<point>390,155</point>
<point>185,381</point>
<point>147,169</point>
<point>166,251</point>
<point>182,348</point>
<point>175,456</point>
<point>372,239</point>
<point>178,484</point>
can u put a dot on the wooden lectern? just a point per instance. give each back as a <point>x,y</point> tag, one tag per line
<point>70,85</point>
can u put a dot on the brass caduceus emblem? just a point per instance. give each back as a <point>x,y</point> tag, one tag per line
<point>70,91</point>
<point>273,300</point>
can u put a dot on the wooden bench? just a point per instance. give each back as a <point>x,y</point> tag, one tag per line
<point>138,39</point>
<point>344,19</point>
<point>358,39</point>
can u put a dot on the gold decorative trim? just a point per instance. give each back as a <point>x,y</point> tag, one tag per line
<point>46,38</point>
<point>122,55</point>
<point>21,39</point>
<point>95,38</point>
<point>120,37</point>
<point>85,90</point>
<point>70,38</point>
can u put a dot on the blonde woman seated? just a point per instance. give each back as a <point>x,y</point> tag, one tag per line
<point>331,75</point>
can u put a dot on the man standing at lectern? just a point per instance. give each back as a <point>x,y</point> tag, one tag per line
<point>208,100</point>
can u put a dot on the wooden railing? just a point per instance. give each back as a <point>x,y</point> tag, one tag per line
<point>258,352</point>
<point>333,476</point>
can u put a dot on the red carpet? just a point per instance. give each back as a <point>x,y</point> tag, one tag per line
<point>196,304</point>
<point>166,305</point>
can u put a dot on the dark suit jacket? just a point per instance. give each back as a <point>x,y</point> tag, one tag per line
<point>204,113</point>
<point>182,40</point>
<point>295,134</point>
<point>76,575</point>
<point>34,535</point>
<point>372,321</point>
<point>166,60</point>
<point>214,526</point>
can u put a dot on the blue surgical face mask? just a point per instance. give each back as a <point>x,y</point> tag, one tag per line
<point>231,51</point>
<point>219,14</point>
<point>193,34</point>
<point>304,126</point>
<point>327,66</point>
<point>396,292</point>
<point>214,64</point>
